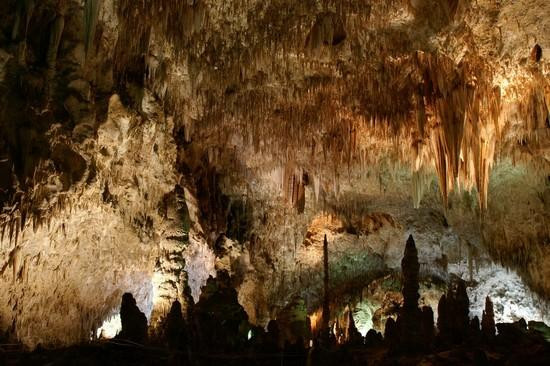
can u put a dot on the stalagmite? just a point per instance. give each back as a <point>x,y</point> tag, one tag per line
<point>414,329</point>
<point>134,323</point>
<point>325,328</point>
<point>353,335</point>
<point>410,269</point>
<point>488,320</point>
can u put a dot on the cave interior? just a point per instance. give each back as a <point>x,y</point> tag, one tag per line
<point>269,182</point>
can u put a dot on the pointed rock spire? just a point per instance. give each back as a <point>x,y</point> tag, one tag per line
<point>326,301</point>
<point>488,319</point>
<point>410,269</point>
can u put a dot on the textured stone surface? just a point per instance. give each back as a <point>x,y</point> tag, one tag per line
<point>98,242</point>
<point>307,118</point>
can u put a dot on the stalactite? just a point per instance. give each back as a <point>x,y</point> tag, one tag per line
<point>421,181</point>
<point>51,55</point>
<point>25,8</point>
<point>441,165</point>
<point>14,260</point>
<point>91,14</point>
<point>317,186</point>
<point>418,96</point>
<point>17,228</point>
<point>11,230</point>
<point>536,53</point>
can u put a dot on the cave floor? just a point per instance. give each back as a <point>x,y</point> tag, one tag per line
<point>122,353</point>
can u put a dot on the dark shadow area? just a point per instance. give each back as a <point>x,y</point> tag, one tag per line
<point>216,331</point>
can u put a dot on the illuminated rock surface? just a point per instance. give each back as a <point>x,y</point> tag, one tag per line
<point>146,145</point>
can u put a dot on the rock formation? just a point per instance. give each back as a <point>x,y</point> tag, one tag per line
<point>134,322</point>
<point>475,330</point>
<point>373,338</point>
<point>221,321</point>
<point>453,314</point>
<point>414,327</point>
<point>273,339</point>
<point>353,335</point>
<point>147,144</point>
<point>325,328</point>
<point>410,269</point>
<point>427,328</point>
<point>444,318</point>
<point>390,332</point>
<point>461,312</point>
<point>488,320</point>
<point>175,328</point>
<point>293,325</point>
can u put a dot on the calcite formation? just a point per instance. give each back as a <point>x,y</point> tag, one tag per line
<point>146,145</point>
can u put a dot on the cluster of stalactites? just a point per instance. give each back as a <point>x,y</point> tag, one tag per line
<point>280,36</point>
<point>34,206</point>
<point>449,114</point>
<point>293,183</point>
<point>452,121</point>
<point>459,109</point>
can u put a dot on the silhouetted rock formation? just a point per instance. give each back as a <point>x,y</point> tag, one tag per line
<point>273,336</point>
<point>134,322</point>
<point>475,331</point>
<point>427,326</point>
<point>541,329</point>
<point>258,339</point>
<point>414,328</point>
<point>175,327</point>
<point>293,322</point>
<point>444,318</point>
<point>222,320</point>
<point>373,338</point>
<point>488,320</point>
<point>325,329</point>
<point>410,268</point>
<point>453,319</point>
<point>461,311</point>
<point>510,334</point>
<point>354,337</point>
<point>390,331</point>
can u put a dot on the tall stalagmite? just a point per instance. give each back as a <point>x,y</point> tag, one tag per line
<point>410,268</point>
<point>461,312</point>
<point>415,328</point>
<point>488,319</point>
<point>326,300</point>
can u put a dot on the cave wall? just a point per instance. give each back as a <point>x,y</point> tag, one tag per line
<point>96,240</point>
